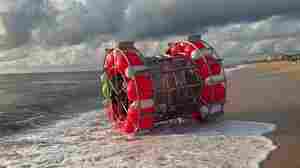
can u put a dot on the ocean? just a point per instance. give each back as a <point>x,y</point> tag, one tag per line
<point>33,100</point>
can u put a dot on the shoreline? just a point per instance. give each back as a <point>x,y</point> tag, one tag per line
<point>207,145</point>
<point>246,92</point>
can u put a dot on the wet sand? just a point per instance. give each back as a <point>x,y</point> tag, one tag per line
<point>270,92</point>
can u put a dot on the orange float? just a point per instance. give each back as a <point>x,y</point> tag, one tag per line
<point>213,94</point>
<point>141,92</point>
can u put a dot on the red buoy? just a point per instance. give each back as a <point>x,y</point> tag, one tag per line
<point>140,88</point>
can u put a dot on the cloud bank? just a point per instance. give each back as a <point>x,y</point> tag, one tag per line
<point>135,19</point>
<point>237,30</point>
<point>159,18</point>
<point>242,41</point>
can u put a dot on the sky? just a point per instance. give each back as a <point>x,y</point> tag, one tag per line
<point>236,28</point>
<point>272,35</point>
<point>6,5</point>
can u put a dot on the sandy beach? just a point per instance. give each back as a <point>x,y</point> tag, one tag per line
<point>270,92</point>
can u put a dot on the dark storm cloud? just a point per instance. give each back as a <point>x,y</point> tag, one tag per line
<point>156,18</point>
<point>268,29</point>
<point>103,16</point>
<point>132,19</point>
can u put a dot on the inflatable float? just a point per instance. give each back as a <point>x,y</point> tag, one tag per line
<point>188,82</point>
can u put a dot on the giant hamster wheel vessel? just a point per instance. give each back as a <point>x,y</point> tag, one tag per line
<point>139,92</point>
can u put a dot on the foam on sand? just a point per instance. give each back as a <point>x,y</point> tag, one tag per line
<point>89,143</point>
